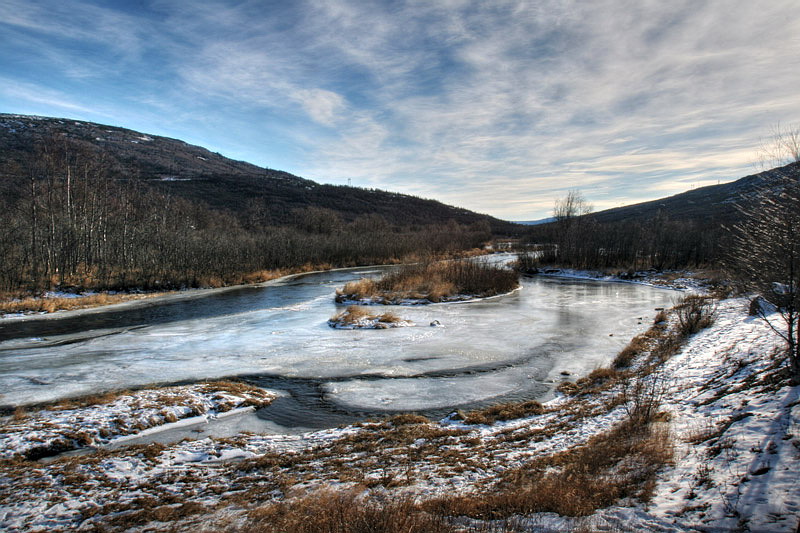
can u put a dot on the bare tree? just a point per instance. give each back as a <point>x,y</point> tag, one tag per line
<point>781,147</point>
<point>765,257</point>
<point>568,208</point>
<point>569,224</point>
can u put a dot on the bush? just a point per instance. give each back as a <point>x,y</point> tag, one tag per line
<point>642,397</point>
<point>694,313</point>
<point>527,263</point>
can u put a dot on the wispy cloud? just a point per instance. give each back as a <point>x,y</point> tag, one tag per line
<point>499,107</point>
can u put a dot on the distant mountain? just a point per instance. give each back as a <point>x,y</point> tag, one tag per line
<point>706,205</point>
<point>192,172</point>
<point>535,222</point>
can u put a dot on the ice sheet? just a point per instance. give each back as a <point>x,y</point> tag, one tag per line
<point>484,349</point>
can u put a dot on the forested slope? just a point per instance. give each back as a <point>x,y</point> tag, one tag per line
<point>182,170</point>
<point>685,230</point>
<point>94,206</point>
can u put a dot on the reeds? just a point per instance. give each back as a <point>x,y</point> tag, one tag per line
<point>355,316</point>
<point>434,282</point>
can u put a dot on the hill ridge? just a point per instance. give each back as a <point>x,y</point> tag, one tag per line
<point>193,172</point>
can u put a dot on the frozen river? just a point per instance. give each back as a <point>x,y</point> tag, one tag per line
<point>511,347</point>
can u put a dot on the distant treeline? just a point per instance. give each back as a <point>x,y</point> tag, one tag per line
<point>70,219</point>
<point>660,243</point>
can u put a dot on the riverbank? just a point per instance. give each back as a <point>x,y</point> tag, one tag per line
<point>685,280</point>
<point>146,300</point>
<point>58,304</point>
<point>100,420</point>
<point>720,454</point>
<point>61,302</point>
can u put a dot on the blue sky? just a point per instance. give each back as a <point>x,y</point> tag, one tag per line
<point>499,107</point>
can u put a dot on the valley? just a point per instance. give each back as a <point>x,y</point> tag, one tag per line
<point>611,370</point>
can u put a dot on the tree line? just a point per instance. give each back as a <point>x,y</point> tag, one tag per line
<point>71,219</point>
<point>576,239</point>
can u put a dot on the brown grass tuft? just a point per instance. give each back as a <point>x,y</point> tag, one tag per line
<point>618,464</point>
<point>327,511</point>
<point>353,314</point>
<point>638,345</point>
<point>87,401</point>
<point>408,419</point>
<point>502,412</point>
<point>51,305</point>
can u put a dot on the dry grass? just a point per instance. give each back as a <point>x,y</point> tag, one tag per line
<point>91,400</point>
<point>627,355</point>
<point>660,342</point>
<point>354,314</point>
<point>620,463</point>
<point>50,305</point>
<point>252,394</point>
<point>408,419</point>
<point>328,511</point>
<point>505,411</point>
<point>24,303</point>
<point>434,282</point>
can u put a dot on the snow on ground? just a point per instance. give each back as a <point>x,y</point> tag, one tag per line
<point>69,425</point>
<point>675,279</point>
<point>737,429</point>
<point>734,421</point>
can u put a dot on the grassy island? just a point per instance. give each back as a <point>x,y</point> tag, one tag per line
<point>432,282</point>
<point>355,317</point>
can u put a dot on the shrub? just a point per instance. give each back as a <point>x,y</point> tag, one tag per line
<point>642,397</point>
<point>527,263</point>
<point>694,313</point>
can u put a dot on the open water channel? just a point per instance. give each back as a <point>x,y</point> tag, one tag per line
<point>276,335</point>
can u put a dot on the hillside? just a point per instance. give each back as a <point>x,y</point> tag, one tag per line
<point>691,229</point>
<point>197,174</point>
<point>714,203</point>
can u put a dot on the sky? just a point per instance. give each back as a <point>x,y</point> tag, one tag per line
<point>500,107</point>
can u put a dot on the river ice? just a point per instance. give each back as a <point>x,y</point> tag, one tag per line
<point>510,347</point>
